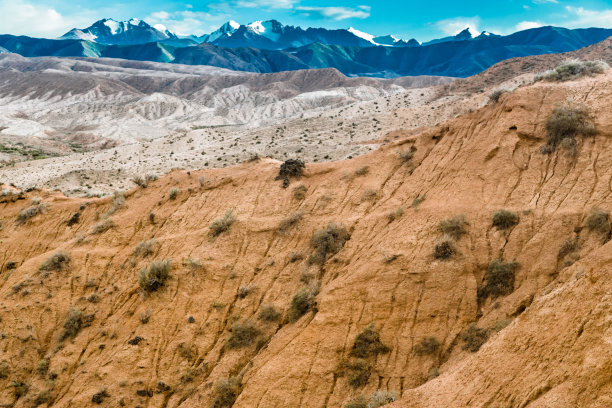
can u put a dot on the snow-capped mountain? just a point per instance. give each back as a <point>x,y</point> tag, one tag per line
<point>226,30</point>
<point>109,31</point>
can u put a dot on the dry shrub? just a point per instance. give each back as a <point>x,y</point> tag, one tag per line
<point>56,262</point>
<point>103,226</point>
<point>499,279</point>
<point>368,343</point>
<point>155,276</point>
<point>303,301</point>
<point>496,94</point>
<point>5,370</point>
<point>99,396</point>
<point>567,122</point>
<point>295,256</point>
<point>599,221</point>
<point>220,225</point>
<point>369,194</point>
<point>380,398</point>
<point>31,212</point>
<point>445,248</point>
<point>269,313</point>
<point>145,248</point>
<point>173,193</point>
<point>504,219</point>
<point>118,202</point>
<point>358,402</point>
<point>362,171</point>
<point>405,156</point>
<point>227,391</point>
<point>289,222</point>
<point>573,69</point>
<point>428,345</point>
<point>245,290</point>
<point>417,201</point>
<point>454,227</point>
<point>396,214</point>
<point>357,371</point>
<point>290,168</point>
<point>327,242</point>
<point>474,337</point>
<point>243,335</point>
<point>75,321</point>
<point>299,192</point>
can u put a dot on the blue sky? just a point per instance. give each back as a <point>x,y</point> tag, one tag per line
<point>423,20</point>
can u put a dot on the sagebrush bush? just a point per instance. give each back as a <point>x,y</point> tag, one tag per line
<point>504,219</point>
<point>380,398</point>
<point>428,345</point>
<point>56,262</point>
<point>291,221</point>
<point>303,301</point>
<point>74,322</point>
<point>227,391</point>
<point>31,212</point>
<point>145,248</point>
<point>5,370</point>
<point>173,193</point>
<point>243,334</point>
<point>299,192</point>
<point>362,171</point>
<point>445,248</point>
<point>103,226</point>
<point>474,337</point>
<point>496,94</point>
<point>358,402</point>
<point>20,389</point>
<point>152,278</point>
<point>395,214</point>
<point>454,227</point>
<point>405,156</point>
<point>599,221</point>
<point>565,124</point>
<point>573,69</point>
<point>117,203</point>
<point>43,397</point>
<point>269,313</point>
<point>220,225</point>
<point>499,279</point>
<point>327,242</point>
<point>357,372</point>
<point>368,343</point>
<point>290,168</point>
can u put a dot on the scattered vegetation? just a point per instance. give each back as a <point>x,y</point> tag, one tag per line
<point>173,193</point>
<point>145,248</point>
<point>380,398</point>
<point>299,192</point>
<point>417,201</point>
<point>362,171</point>
<point>369,194</point>
<point>405,156</point>
<point>243,334</point>
<point>327,242</point>
<point>499,279</point>
<point>504,219</point>
<point>358,402</point>
<point>564,125</point>
<point>357,371</point>
<point>474,337</point>
<point>143,182</point>
<point>155,276</point>
<point>75,321</point>
<point>445,248</point>
<point>31,212</point>
<point>74,219</point>
<point>145,316</point>
<point>56,262</point>
<point>269,313</point>
<point>245,290</point>
<point>227,391</point>
<point>427,346</point>
<point>496,94</point>
<point>99,396</point>
<point>118,202</point>
<point>192,263</point>
<point>43,397</point>
<point>303,301</point>
<point>599,221</point>
<point>220,225</point>
<point>295,256</point>
<point>454,227</point>
<point>103,226</point>
<point>5,370</point>
<point>368,343</point>
<point>20,389</point>
<point>396,214</point>
<point>289,222</point>
<point>573,69</point>
<point>290,168</point>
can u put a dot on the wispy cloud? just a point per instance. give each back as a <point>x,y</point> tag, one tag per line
<point>270,4</point>
<point>581,17</point>
<point>186,22</point>
<point>336,13</point>
<point>545,1</point>
<point>453,26</point>
<point>22,17</point>
<point>526,25</point>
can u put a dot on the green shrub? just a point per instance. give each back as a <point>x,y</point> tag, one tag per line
<point>291,221</point>
<point>427,346</point>
<point>220,225</point>
<point>243,335</point>
<point>368,343</point>
<point>504,219</point>
<point>75,321</point>
<point>269,313</point>
<point>301,303</point>
<point>227,391</point>
<point>499,279</point>
<point>145,248</point>
<point>327,242</point>
<point>56,262</point>
<point>474,337</point>
<point>454,227</point>
<point>599,221</point>
<point>573,69</point>
<point>444,249</point>
<point>567,122</point>
<point>173,193</point>
<point>299,192</point>
<point>155,276</point>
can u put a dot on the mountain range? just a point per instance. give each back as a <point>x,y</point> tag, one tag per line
<point>270,46</point>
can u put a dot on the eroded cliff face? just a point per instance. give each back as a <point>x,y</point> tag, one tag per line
<point>550,339</point>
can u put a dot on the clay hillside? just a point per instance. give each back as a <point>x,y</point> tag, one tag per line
<point>464,265</point>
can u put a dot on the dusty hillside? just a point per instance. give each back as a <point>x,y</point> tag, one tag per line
<point>547,322</point>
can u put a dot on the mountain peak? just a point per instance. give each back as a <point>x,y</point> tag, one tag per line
<point>110,31</point>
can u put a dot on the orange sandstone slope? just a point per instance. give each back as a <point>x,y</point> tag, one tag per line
<point>549,338</point>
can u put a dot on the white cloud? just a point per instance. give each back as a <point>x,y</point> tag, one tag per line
<point>278,4</point>
<point>545,1</point>
<point>582,17</point>
<point>336,13</point>
<point>22,18</point>
<point>454,26</point>
<point>185,22</point>
<point>526,25</point>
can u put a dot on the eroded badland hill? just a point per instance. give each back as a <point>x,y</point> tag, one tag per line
<point>273,306</point>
